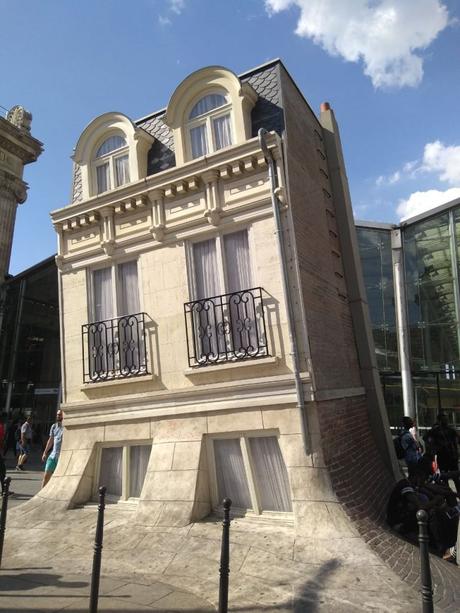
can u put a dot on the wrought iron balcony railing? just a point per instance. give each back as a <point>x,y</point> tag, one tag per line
<point>114,348</point>
<point>226,328</point>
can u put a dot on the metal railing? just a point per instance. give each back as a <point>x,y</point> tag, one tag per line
<point>114,348</point>
<point>226,328</point>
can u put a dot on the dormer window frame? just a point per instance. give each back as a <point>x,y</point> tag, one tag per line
<point>207,119</point>
<point>110,158</point>
<point>98,131</point>
<point>241,99</point>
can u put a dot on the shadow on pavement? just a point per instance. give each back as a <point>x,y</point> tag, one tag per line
<point>29,581</point>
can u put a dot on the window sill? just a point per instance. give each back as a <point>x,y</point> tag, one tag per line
<point>117,381</point>
<point>197,371</point>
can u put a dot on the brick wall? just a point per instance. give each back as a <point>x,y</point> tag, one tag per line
<point>359,477</point>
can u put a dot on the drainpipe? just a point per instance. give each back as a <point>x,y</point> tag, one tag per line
<point>262,134</point>
<point>401,319</point>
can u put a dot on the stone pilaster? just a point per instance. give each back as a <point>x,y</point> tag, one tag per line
<point>17,148</point>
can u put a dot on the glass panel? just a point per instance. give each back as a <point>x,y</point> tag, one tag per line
<point>376,260</point>
<point>111,470</point>
<point>128,287</point>
<point>139,456</point>
<point>111,144</point>
<point>271,474</point>
<point>198,141</point>
<point>207,103</point>
<point>222,132</point>
<point>392,393</point>
<point>231,475</point>
<point>103,178</point>
<point>426,400</point>
<point>121,170</point>
<point>102,294</point>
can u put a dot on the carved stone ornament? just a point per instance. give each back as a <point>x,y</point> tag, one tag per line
<point>13,187</point>
<point>20,118</point>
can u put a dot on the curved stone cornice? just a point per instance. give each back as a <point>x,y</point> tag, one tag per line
<point>19,142</point>
<point>12,187</point>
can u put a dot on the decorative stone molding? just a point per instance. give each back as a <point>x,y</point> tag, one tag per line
<point>104,126</point>
<point>242,97</point>
<point>12,187</point>
<point>157,214</point>
<point>108,231</point>
<point>20,118</point>
<point>210,178</point>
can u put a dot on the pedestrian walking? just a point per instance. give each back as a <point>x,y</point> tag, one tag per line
<point>25,443</point>
<point>54,442</point>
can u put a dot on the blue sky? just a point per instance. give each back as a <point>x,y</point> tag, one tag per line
<point>389,68</point>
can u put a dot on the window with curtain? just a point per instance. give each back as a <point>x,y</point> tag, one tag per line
<point>210,125</point>
<point>111,163</point>
<point>115,337</point>
<point>123,470</point>
<point>226,324</point>
<point>250,470</point>
<point>110,474</point>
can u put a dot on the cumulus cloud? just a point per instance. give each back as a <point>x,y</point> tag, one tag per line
<point>177,6</point>
<point>419,202</point>
<point>385,35</point>
<point>395,177</point>
<point>444,160</point>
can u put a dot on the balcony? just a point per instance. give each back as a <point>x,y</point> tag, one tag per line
<point>114,348</point>
<point>226,328</point>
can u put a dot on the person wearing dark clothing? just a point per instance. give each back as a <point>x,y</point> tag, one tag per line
<point>440,502</point>
<point>411,447</point>
<point>442,441</point>
<point>10,437</point>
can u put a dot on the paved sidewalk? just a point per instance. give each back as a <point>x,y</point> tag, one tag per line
<point>47,567</point>
<point>24,484</point>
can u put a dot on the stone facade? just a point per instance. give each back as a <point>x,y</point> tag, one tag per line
<point>17,148</point>
<point>179,408</point>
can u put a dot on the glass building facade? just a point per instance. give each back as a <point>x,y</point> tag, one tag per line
<point>29,345</point>
<point>431,260</point>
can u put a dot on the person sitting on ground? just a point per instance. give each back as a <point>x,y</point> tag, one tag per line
<point>54,441</point>
<point>442,441</point>
<point>25,443</point>
<point>441,503</point>
<point>410,445</point>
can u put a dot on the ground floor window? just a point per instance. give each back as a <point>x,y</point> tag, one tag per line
<point>250,469</point>
<point>122,470</point>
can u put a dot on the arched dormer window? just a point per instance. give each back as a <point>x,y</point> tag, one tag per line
<point>210,125</point>
<point>111,152</point>
<point>209,110</point>
<point>111,163</point>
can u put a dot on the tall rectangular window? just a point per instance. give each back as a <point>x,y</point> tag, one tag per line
<point>103,177</point>
<point>250,470</point>
<point>222,131</point>
<point>198,141</point>
<point>123,470</point>
<point>121,170</point>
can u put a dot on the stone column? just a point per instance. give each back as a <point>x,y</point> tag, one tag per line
<point>17,148</point>
<point>12,193</point>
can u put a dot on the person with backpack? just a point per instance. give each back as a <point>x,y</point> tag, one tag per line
<point>407,446</point>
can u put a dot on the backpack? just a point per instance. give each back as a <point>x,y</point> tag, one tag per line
<point>399,449</point>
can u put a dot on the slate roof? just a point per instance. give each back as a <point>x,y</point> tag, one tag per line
<point>266,113</point>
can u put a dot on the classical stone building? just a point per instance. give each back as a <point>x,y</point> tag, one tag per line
<point>214,333</point>
<point>17,148</point>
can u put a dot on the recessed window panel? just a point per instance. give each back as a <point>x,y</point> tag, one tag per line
<point>138,461</point>
<point>271,474</point>
<point>232,481</point>
<point>111,144</point>
<point>111,470</point>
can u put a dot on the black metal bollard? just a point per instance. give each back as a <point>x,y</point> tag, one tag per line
<point>224,569</point>
<point>99,537</point>
<point>3,513</point>
<point>423,539</point>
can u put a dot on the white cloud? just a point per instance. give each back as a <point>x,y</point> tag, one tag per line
<point>164,21</point>
<point>395,177</point>
<point>419,202</point>
<point>384,34</point>
<point>444,160</point>
<point>177,6</point>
